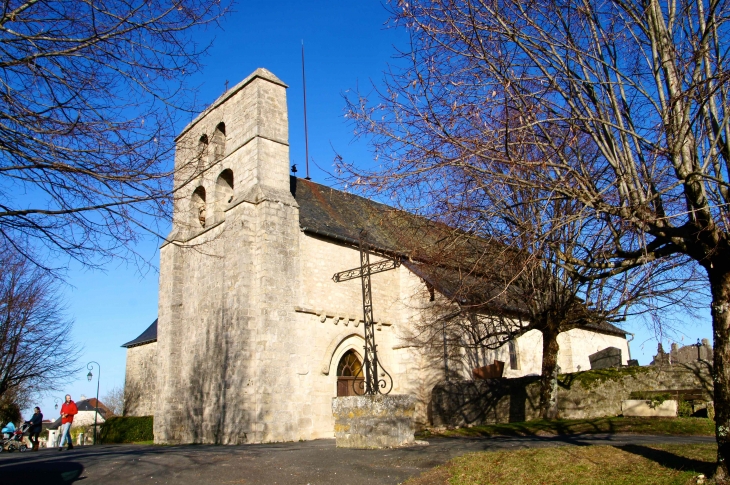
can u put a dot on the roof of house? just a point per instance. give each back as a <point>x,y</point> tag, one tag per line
<point>605,327</point>
<point>149,335</point>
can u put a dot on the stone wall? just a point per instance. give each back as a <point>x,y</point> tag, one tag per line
<point>373,422</point>
<point>330,318</point>
<point>582,395</point>
<point>140,380</point>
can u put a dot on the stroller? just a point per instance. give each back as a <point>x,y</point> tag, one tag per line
<point>14,441</point>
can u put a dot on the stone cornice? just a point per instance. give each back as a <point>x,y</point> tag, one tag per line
<point>338,317</point>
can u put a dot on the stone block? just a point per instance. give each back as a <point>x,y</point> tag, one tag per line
<point>645,408</point>
<point>606,358</point>
<point>374,422</point>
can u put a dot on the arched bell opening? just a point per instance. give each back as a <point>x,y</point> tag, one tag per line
<point>219,142</point>
<point>202,155</point>
<point>350,375</point>
<point>223,193</point>
<point>198,208</point>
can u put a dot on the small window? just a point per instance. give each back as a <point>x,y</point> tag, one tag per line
<point>514,362</point>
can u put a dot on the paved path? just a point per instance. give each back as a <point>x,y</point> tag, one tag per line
<point>312,462</point>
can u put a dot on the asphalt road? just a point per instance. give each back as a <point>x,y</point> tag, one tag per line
<point>312,462</point>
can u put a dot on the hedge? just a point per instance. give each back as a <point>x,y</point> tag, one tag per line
<point>126,429</point>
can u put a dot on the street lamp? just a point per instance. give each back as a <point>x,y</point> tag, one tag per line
<point>56,400</point>
<point>89,376</point>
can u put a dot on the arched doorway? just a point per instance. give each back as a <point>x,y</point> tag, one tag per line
<point>350,377</point>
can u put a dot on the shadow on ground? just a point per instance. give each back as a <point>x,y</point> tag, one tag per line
<point>670,460</point>
<point>43,473</point>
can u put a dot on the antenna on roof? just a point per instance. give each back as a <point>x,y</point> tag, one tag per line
<point>306,134</point>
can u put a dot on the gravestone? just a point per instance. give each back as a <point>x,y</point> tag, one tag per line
<point>606,358</point>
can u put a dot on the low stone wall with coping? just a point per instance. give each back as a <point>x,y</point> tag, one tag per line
<point>581,395</point>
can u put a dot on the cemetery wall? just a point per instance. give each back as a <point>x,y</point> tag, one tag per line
<point>582,395</point>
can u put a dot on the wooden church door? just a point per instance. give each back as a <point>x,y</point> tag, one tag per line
<point>350,378</point>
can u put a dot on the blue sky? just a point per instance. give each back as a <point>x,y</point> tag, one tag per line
<point>347,46</point>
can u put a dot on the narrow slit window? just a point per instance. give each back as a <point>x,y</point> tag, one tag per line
<point>514,362</point>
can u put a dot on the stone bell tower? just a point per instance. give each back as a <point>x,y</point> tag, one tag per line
<point>229,276</point>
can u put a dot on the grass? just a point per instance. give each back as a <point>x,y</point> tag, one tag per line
<point>569,465</point>
<point>654,426</point>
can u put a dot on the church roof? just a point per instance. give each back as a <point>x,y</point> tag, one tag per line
<point>334,214</point>
<point>148,336</point>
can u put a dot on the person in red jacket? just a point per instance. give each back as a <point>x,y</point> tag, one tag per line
<point>68,411</point>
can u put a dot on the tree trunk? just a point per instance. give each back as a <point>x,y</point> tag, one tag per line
<point>549,377</point>
<point>720,287</point>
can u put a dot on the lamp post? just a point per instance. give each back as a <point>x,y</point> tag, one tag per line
<point>89,376</point>
<point>56,400</point>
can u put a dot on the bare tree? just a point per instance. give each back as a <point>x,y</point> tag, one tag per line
<point>627,97</point>
<point>511,280</point>
<point>36,351</point>
<point>114,400</point>
<point>559,295</point>
<point>89,98</point>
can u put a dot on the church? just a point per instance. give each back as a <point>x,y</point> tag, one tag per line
<point>253,337</point>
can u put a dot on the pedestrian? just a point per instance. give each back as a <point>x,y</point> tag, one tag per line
<point>36,426</point>
<point>68,410</point>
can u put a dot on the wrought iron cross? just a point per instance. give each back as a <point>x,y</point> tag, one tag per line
<point>373,383</point>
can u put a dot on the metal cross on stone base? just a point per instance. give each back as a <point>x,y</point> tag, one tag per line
<point>374,384</point>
